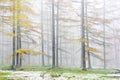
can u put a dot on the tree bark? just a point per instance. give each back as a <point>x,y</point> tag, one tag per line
<point>83,61</point>
<point>53,36</point>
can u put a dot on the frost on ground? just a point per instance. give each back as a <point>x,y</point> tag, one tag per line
<point>38,75</point>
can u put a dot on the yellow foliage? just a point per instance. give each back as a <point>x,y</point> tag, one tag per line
<point>9,19</point>
<point>28,25</point>
<point>21,51</point>
<point>83,40</point>
<point>6,0</point>
<point>24,24</point>
<point>4,8</point>
<point>22,16</point>
<point>10,34</point>
<point>17,6</point>
<point>25,8</point>
<point>1,29</point>
<point>87,25</point>
<point>2,0</point>
<point>91,49</point>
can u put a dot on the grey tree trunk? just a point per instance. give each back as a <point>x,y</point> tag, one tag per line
<point>18,56</point>
<point>87,36</point>
<point>48,53</point>
<point>43,62</point>
<point>2,55</point>
<point>53,36</point>
<point>57,36</point>
<point>83,61</point>
<point>13,42</point>
<point>104,40</point>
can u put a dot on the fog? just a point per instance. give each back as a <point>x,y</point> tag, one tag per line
<point>68,35</point>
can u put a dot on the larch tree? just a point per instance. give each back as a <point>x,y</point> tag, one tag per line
<point>53,35</point>
<point>87,34</point>
<point>57,35</point>
<point>104,30</point>
<point>83,61</point>
<point>22,25</point>
<point>42,29</point>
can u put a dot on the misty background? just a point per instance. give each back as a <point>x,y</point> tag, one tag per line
<point>69,44</point>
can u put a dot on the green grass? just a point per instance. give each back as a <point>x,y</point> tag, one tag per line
<point>61,70</point>
<point>79,71</point>
<point>2,76</point>
<point>5,67</point>
<point>56,72</point>
<point>33,68</point>
<point>66,70</point>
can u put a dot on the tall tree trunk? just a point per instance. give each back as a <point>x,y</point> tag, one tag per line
<point>48,53</point>
<point>18,56</point>
<point>14,40</point>
<point>83,61</point>
<point>53,36</point>
<point>60,43</point>
<point>2,54</point>
<point>87,36</point>
<point>42,28</point>
<point>104,40</point>
<point>57,36</point>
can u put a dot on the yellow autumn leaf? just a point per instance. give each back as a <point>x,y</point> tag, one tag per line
<point>25,8</point>
<point>10,34</point>
<point>87,25</point>
<point>9,19</point>
<point>91,49</point>
<point>83,40</point>
<point>21,51</point>
<point>23,24</point>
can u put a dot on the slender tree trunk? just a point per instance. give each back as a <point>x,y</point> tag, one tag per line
<point>43,62</point>
<point>61,61</point>
<point>14,53</point>
<point>87,36</point>
<point>48,53</point>
<point>53,36</point>
<point>14,40</point>
<point>83,61</point>
<point>60,45</point>
<point>115,48</point>
<point>2,62</point>
<point>18,56</point>
<point>57,36</point>
<point>104,40</point>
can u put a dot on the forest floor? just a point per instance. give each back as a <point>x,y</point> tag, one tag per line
<point>33,73</point>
